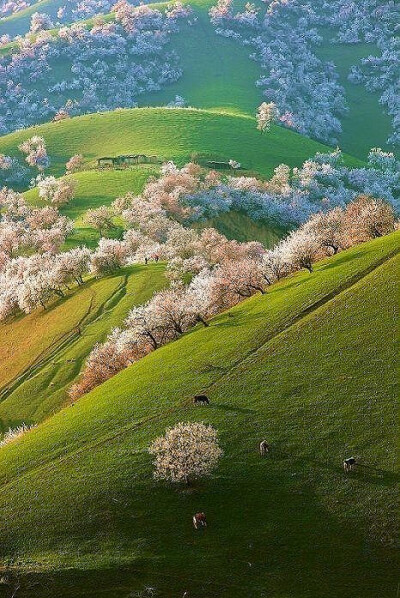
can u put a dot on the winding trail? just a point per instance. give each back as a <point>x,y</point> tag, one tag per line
<point>64,341</point>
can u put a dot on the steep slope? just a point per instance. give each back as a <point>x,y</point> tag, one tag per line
<point>43,352</point>
<point>301,366</point>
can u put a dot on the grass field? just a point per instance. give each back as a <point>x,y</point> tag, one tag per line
<point>43,352</point>
<point>301,366</point>
<point>366,125</point>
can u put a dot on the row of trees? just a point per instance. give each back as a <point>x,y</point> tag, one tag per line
<point>289,198</point>
<point>108,65</point>
<point>221,275</point>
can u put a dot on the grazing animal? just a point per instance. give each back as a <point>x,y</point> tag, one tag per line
<point>264,448</point>
<point>349,464</point>
<point>199,520</point>
<point>201,400</point>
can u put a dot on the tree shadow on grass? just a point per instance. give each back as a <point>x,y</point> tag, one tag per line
<point>344,258</point>
<point>265,538</point>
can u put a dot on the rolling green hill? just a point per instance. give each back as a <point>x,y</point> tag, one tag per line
<point>302,366</point>
<point>172,134</point>
<point>176,134</point>
<point>96,188</point>
<point>43,352</point>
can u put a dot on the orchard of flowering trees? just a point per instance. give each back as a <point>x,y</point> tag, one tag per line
<point>372,22</point>
<point>221,273</point>
<point>289,198</point>
<point>107,66</point>
<point>284,39</point>
<point>330,206</point>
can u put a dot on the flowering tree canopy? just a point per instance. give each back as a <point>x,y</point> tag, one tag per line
<point>186,452</point>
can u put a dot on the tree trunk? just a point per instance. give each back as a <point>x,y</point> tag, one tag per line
<point>202,320</point>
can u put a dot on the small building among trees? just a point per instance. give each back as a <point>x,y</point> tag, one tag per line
<point>126,160</point>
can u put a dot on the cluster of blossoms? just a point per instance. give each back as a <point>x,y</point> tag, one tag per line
<point>207,272</point>
<point>108,66</point>
<point>36,154</point>
<point>289,198</point>
<point>9,7</point>
<point>12,172</point>
<point>56,191</point>
<point>29,281</point>
<point>186,452</point>
<point>283,40</point>
<point>373,22</point>
<point>24,229</point>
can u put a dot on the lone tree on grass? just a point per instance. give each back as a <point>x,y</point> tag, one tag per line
<point>187,451</point>
<point>267,114</point>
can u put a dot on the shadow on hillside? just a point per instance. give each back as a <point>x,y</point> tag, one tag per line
<point>363,473</point>
<point>225,407</point>
<point>267,536</point>
<point>342,259</point>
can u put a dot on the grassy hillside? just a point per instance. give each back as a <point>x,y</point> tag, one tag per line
<point>171,134</point>
<point>177,134</point>
<point>96,188</point>
<point>43,352</point>
<point>357,138</point>
<point>301,366</point>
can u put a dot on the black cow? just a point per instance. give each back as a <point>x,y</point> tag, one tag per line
<point>201,400</point>
<point>349,464</point>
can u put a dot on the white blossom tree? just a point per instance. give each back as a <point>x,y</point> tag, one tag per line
<point>186,452</point>
<point>267,114</point>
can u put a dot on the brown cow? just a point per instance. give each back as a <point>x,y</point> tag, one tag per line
<point>199,520</point>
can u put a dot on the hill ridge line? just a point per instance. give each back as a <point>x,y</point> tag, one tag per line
<point>157,416</point>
